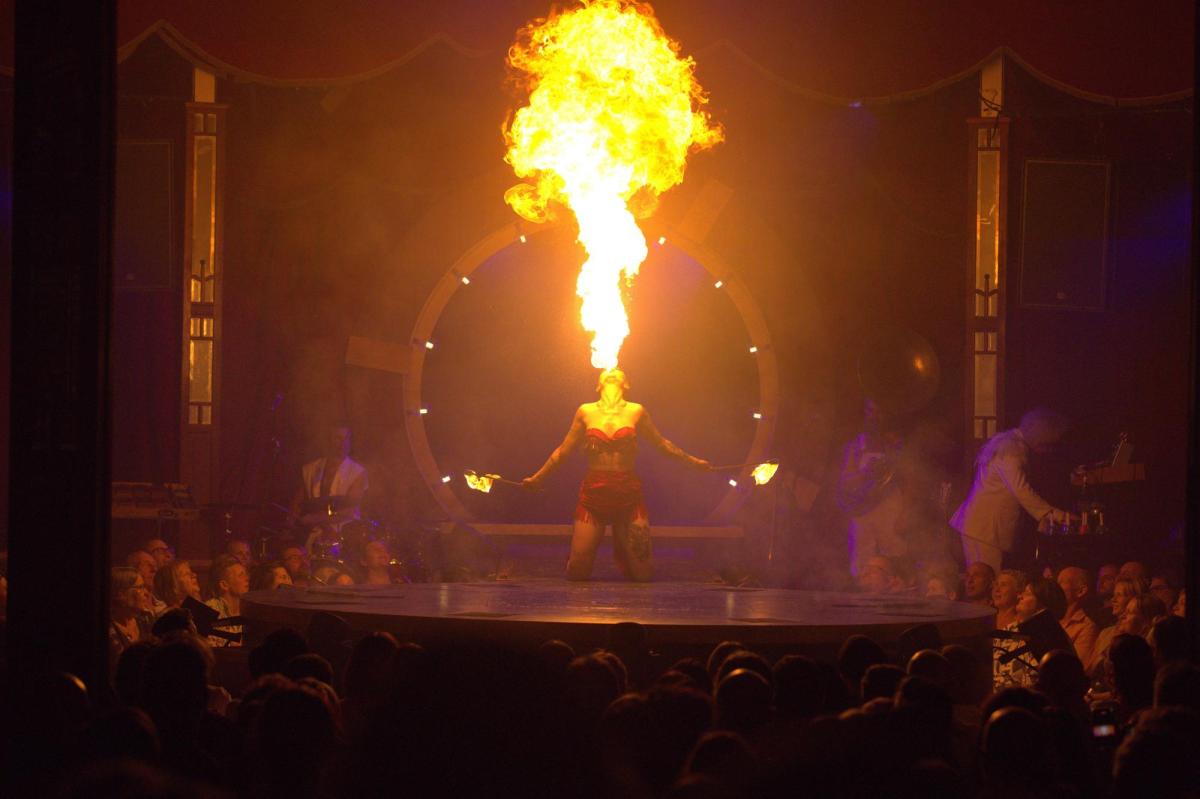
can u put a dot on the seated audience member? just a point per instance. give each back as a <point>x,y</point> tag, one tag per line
<point>269,576</point>
<point>1130,669</point>
<point>931,665</point>
<point>1015,754</point>
<point>881,681</point>
<point>1134,570</point>
<point>1079,627</point>
<point>1098,603</point>
<point>1016,661</point>
<point>743,702</point>
<point>1006,590</point>
<point>128,610</point>
<point>160,551</point>
<point>1169,640</point>
<point>295,560</point>
<point>878,576</point>
<point>1180,608</point>
<point>1124,590</point>
<point>725,757</point>
<point>146,566</point>
<point>718,654</point>
<point>376,563</point>
<point>273,654</point>
<point>229,581</point>
<point>1041,605</point>
<point>323,575</point>
<point>368,678</point>
<point>940,581</point>
<point>1062,679</point>
<point>1140,615</point>
<point>978,583</point>
<point>1177,684</point>
<point>858,653</point>
<point>175,582</point>
<point>1158,756</point>
<point>969,683</point>
<point>239,549</point>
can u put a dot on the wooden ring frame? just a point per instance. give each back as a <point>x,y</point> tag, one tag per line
<point>516,233</point>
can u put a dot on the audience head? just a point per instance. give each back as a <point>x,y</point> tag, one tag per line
<point>724,756</point>
<point>1106,576</point>
<point>858,653</point>
<point>1177,684</point>
<point>799,687</point>
<point>1042,594</point>
<point>228,578</point>
<point>940,581</point>
<point>175,684</point>
<point>174,620</point>
<point>645,738</point>
<point>1124,589</point>
<point>696,673</point>
<point>1134,570</point>
<point>275,651</point>
<point>556,655</point>
<point>744,659</point>
<point>160,551</point>
<point>970,679</point>
<point>1015,749</point>
<point>1131,671</point>
<point>1007,588</point>
<point>1165,588</point>
<point>931,665</point>
<point>1158,756</point>
<point>590,686</point>
<point>129,593</point>
<point>743,700</point>
<point>294,737</point>
<point>295,561</point>
<point>719,653</point>
<point>1169,639</point>
<point>1140,614</point>
<point>369,670</point>
<point>881,681</point>
<point>310,665</point>
<point>240,550</point>
<point>1180,608</point>
<point>145,564</point>
<point>878,576</point>
<point>978,583</point>
<point>1075,584</point>
<point>1061,678</point>
<point>176,581</point>
<point>269,576</point>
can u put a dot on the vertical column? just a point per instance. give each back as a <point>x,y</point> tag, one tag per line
<point>63,144</point>
<point>203,229</point>
<point>988,136</point>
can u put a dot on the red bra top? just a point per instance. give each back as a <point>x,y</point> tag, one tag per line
<point>624,439</point>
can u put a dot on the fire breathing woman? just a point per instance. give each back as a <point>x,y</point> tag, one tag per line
<point>611,493</point>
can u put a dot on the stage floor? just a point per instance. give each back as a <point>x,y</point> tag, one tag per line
<point>676,613</point>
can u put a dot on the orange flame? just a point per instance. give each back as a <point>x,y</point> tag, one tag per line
<point>613,113</point>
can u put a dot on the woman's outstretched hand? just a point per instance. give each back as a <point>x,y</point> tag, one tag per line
<point>531,484</point>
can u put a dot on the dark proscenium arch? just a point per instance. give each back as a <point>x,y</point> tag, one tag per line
<point>565,356</point>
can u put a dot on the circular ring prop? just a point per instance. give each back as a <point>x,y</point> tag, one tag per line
<point>459,275</point>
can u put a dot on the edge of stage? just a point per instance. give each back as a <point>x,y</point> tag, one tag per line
<point>675,615</point>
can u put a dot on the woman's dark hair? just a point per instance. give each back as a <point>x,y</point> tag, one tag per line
<point>1049,596</point>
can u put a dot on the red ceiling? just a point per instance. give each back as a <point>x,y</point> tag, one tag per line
<point>846,48</point>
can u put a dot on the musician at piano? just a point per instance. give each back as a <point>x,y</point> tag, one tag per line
<point>869,494</point>
<point>987,520</point>
<point>332,490</point>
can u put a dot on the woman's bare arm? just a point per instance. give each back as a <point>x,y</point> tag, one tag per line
<point>568,445</point>
<point>647,430</point>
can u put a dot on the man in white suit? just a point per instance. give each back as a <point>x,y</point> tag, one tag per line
<point>987,520</point>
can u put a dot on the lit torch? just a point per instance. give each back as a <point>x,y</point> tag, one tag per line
<point>613,113</point>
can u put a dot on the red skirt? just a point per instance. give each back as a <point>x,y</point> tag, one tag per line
<point>610,498</point>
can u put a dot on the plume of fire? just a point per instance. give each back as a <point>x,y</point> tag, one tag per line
<point>480,482</point>
<point>613,112</point>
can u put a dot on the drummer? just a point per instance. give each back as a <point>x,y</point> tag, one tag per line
<point>332,491</point>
